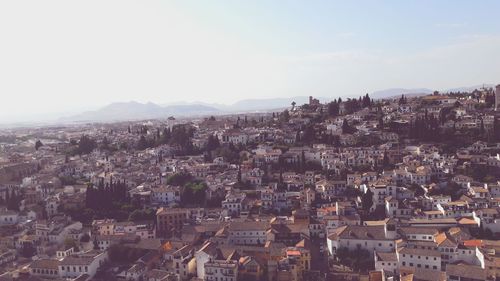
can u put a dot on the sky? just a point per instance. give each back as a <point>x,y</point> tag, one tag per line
<point>61,57</point>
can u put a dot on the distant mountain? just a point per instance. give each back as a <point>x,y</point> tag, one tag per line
<point>135,111</point>
<point>469,89</point>
<point>120,111</point>
<point>266,104</point>
<point>192,109</point>
<point>393,92</point>
<point>261,104</point>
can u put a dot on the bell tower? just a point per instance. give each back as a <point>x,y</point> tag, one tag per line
<point>497,98</point>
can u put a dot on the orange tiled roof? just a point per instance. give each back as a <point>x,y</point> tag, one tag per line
<point>473,243</point>
<point>293,253</point>
<point>167,246</point>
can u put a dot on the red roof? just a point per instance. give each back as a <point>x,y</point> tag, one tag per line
<point>293,253</point>
<point>473,243</point>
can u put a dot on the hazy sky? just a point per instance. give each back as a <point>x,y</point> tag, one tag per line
<point>60,56</point>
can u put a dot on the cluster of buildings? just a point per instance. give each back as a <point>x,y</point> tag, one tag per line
<point>270,196</point>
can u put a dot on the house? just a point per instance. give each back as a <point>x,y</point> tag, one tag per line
<point>408,273</point>
<point>171,220</point>
<point>248,233</point>
<point>207,252</point>
<point>465,272</point>
<point>250,269</point>
<point>160,275</point>
<point>380,238</point>
<point>106,241</point>
<point>301,257</point>
<point>234,136</point>
<point>65,252</point>
<point>45,268</point>
<point>419,233</point>
<point>419,258</point>
<point>184,262</point>
<point>386,262</point>
<point>8,217</point>
<point>393,208</point>
<point>135,272</point>
<point>234,203</point>
<point>330,188</point>
<point>221,270</point>
<point>166,195</point>
<point>289,233</point>
<point>7,256</point>
<point>80,264</point>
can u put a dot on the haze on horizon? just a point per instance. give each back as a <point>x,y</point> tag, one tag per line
<point>67,56</point>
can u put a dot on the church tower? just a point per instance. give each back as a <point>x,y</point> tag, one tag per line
<point>497,98</point>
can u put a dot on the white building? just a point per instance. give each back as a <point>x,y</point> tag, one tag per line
<point>380,238</point>
<point>386,262</point>
<point>45,268</point>
<point>420,258</point>
<point>206,253</point>
<point>8,217</point>
<point>184,262</point>
<point>221,270</point>
<point>248,233</point>
<point>166,195</point>
<point>77,265</point>
<point>233,203</point>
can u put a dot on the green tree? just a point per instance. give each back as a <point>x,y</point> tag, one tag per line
<point>105,143</point>
<point>193,194</point>
<point>143,143</point>
<point>285,116</point>
<point>179,179</point>
<point>71,243</point>
<point>96,244</point>
<point>38,144</point>
<point>367,200</point>
<point>142,215</point>
<point>28,250</point>
<point>381,121</point>
<point>346,128</point>
<point>85,238</point>
<point>212,143</point>
<point>85,145</point>
<point>13,201</point>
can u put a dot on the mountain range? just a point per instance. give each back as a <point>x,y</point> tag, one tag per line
<point>121,111</point>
